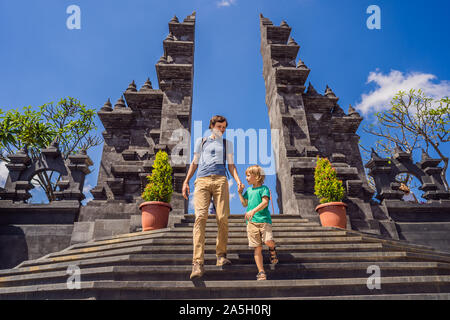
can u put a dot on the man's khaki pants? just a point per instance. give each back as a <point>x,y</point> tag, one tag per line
<point>214,186</point>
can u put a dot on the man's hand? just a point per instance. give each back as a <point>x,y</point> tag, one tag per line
<point>185,192</point>
<point>240,187</point>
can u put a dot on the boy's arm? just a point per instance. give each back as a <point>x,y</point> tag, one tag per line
<point>264,204</point>
<point>243,200</point>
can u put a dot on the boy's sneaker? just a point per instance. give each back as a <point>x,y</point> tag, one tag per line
<point>197,270</point>
<point>221,261</point>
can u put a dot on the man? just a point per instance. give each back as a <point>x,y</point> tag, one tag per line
<point>211,182</point>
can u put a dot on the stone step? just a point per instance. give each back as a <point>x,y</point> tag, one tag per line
<point>180,249</point>
<point>408,296</point>
<point>241,219</point>
<point>233,272</point>
<point>186,244</point>
<point>243,257</point>
<point>241,216</point>
<point>208,229</point>
<point>242,223</point>
<point>188,235</point>
<point>229,289</point>
<point>243,228</point>
<point>372,257</point>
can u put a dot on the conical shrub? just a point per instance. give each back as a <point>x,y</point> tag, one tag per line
<point>327,187</point>
<point>159,187</point>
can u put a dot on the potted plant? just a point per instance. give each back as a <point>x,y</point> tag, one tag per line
<point>328,188</point>
<point>157,194</point>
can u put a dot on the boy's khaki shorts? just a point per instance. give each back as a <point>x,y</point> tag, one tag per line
<point>258,234</point>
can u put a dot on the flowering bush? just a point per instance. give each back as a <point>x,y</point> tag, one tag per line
<point>327,187</point>
<point>159,187</point>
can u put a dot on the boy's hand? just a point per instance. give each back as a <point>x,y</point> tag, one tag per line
<point>249,215</point>
<point>240,188</point>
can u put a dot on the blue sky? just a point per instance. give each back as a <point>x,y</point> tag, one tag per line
<point>119,41</point>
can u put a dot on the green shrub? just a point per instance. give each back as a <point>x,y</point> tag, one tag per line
<point>159,187</point>
<point>327,187</point>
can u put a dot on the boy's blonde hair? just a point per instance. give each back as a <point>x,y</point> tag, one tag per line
<point>258,172</point>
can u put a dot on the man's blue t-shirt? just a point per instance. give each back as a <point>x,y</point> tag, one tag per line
<point>211,156</point>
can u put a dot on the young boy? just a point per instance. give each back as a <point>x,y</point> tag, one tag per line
<point>259,225</point>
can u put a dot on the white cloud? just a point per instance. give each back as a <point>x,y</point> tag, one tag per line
<point>225,3</point>
<point>388,85</point>
<point>3,173</point>
<point>89,197</point>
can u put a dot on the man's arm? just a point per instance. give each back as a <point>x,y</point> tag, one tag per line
<point>233,170</point>
<point>190,174</point>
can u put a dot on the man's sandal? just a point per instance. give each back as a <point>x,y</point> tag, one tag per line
<point>273,256</point>
<point>261,276</point>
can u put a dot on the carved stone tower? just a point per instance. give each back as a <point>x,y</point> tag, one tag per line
<point>310,125</point>
<point>136,128</point>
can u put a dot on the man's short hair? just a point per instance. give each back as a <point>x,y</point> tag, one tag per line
<point>215,119</point>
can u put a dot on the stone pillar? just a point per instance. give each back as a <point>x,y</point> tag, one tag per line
<point>310,125</point>
<point>141,123</point>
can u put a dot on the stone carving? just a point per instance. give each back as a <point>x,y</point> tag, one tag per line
<point>427,171</point>
<point>22,169</point>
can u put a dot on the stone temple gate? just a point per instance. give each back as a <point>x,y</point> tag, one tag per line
<point>143,120</point>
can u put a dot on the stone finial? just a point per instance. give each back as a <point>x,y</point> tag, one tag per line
<point>190,18</point>
<point>147,86</point>
<point>131,87</point>
<point>398,149</point>
<point>162,60</point>
<point>54,144</point>
<point>329,93</point>
<point>284,24</point>
<point>265,21</point>
<point>375,155</point>
<point>301,64</point>
<point>425,155</point>
<point>311,90</point>
<point>174,19</point>
<point>23,150</point>
<point>170,37</point>
<point>120,104</point>
<point>292,42</point>
<point>107,106</point>
<point>352,112</point>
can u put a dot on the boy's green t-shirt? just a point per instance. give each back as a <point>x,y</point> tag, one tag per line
<point>254,197</point>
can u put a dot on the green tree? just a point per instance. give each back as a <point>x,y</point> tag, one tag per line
<point>67,122</point>
<point>414,121</point>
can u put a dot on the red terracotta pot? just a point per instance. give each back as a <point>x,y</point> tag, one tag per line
<point>155,215</point>
<point>333,214</point>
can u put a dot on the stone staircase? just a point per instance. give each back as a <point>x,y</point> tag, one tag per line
<point>315,263</point>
